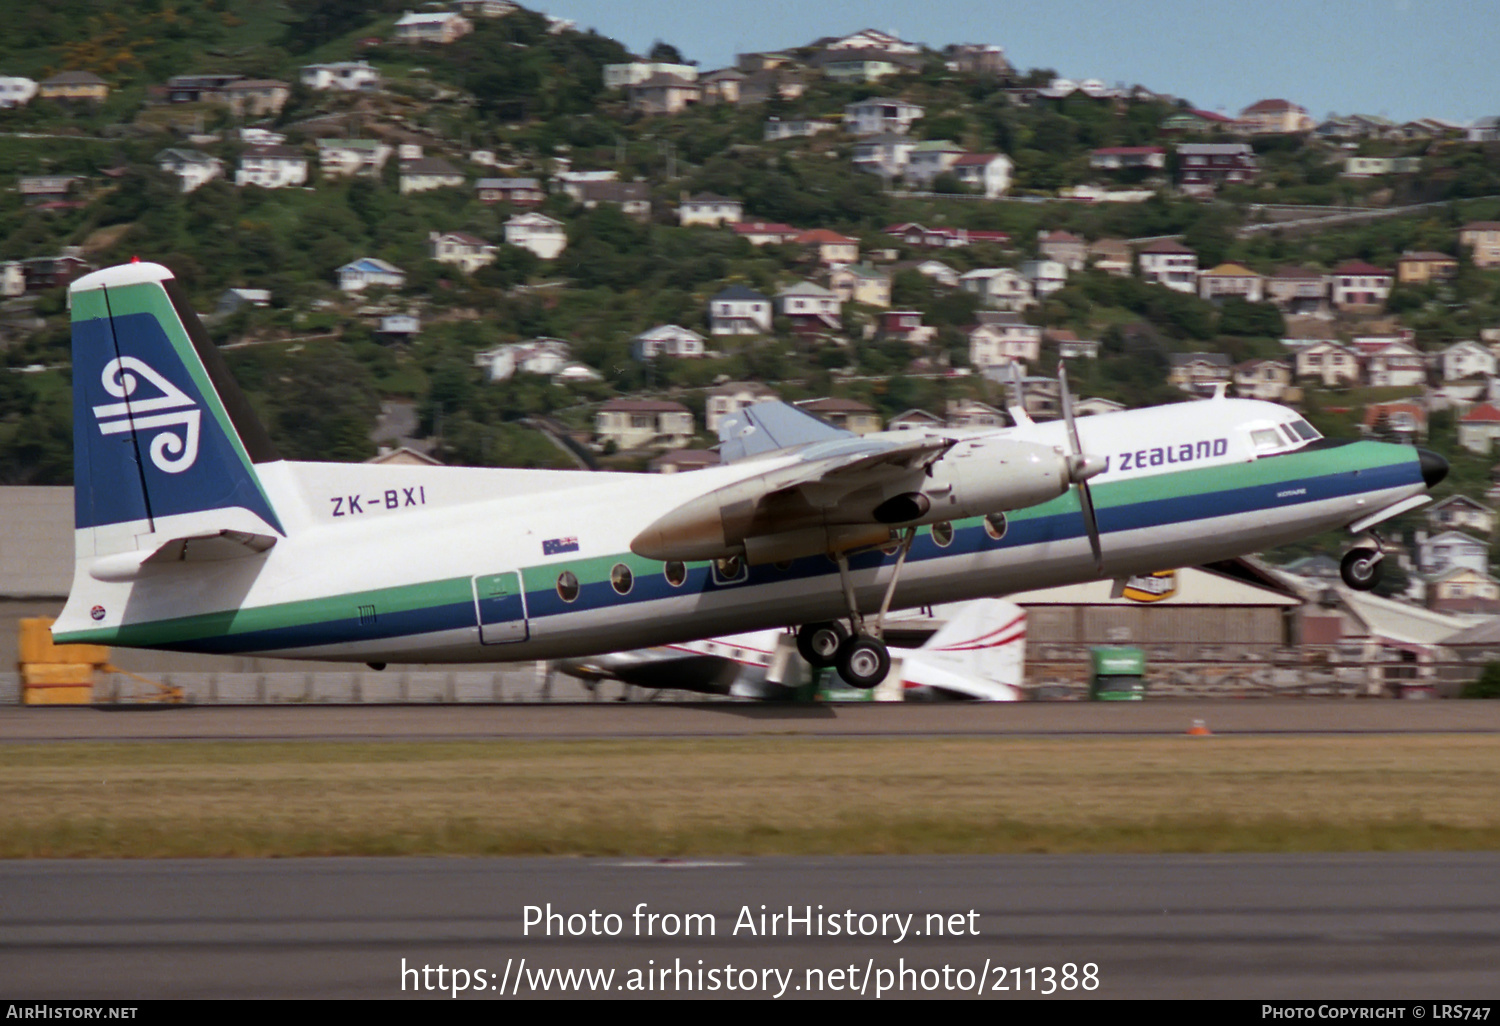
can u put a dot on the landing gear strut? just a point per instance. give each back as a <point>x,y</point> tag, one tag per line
<point>860,657</point>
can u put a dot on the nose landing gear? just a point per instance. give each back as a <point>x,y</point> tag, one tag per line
<point>1360,567</point>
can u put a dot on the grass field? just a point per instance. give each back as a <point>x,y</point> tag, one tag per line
<point>777,795</point>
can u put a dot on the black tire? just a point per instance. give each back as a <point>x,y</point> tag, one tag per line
<point>819,643</point>
<point>1360,569</point>
<point>863,661</point>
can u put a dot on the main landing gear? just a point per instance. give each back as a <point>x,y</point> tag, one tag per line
<point>1360,567</point>
<point>861,658</point>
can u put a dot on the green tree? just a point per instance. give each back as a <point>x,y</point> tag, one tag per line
<point>664,53</point>
<point>1487,686</point>
<point>1239,317</point>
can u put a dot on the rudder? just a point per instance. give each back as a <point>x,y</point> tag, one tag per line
<point>987,640</point>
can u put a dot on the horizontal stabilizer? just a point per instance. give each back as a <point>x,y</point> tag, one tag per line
<point>767,427</point>
<point>199,548</point>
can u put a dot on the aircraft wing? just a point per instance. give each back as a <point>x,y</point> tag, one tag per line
<point>820,490</point>
<point>812,491</point>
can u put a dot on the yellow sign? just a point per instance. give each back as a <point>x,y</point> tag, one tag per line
<point>1151,587</point>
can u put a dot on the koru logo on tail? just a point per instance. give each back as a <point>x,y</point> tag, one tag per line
<point>173,409</point>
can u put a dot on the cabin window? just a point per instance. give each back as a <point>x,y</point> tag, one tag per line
<point>675,573</point>
<point>942,534</point>
<point>621,579</point>
<point>567,586</point>
<point>995,525</point>
<point>729,568</point>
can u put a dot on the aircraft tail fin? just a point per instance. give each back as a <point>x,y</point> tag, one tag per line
<point>166,448</point>
<point>987,640</point>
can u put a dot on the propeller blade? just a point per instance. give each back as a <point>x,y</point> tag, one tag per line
<point>1080,469</point>
<point>1065,399</point>
<point>1091,524</point>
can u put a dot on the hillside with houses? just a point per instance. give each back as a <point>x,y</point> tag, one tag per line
<point>470,232</point>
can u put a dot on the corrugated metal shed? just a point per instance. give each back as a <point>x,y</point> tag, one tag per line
<point>36,541</point>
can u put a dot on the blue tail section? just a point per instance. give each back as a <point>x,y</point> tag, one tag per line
<point>160,429</point>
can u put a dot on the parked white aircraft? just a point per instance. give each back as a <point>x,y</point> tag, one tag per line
<point>193,534</point>
<point>978,654</point>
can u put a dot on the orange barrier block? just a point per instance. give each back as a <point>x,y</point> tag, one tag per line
<point>37,646</point>
<point>56,674</point>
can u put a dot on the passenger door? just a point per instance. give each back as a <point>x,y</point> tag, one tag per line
<point>500,604</point>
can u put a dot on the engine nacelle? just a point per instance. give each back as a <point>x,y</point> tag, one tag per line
<point>994,475</point>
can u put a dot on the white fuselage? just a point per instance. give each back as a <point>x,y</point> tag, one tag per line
<point>378,555</point>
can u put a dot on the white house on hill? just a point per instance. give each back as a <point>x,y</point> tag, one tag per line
<point>366,271</point>
<point>544,236</point>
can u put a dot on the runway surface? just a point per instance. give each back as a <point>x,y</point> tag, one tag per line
<point>732,719</point>
<point>1259,927</point>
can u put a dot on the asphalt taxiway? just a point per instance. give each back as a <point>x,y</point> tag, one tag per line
<point>1262,927</point>
<point>734,719</point>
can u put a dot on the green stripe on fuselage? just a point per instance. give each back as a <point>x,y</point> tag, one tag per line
<point>306,612</point>
<point>1224,477</point>
<point>1267,470</point>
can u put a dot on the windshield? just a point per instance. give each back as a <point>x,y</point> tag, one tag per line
<point>1269,438</point>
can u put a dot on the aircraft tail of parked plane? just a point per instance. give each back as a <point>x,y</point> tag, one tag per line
<point>979,654</point>
<point>193,535</point>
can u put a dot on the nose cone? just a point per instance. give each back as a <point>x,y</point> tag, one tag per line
<point>1434,467</point>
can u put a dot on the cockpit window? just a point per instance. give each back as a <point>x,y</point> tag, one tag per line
<point>1266,439</point>
<point>1272,438</point>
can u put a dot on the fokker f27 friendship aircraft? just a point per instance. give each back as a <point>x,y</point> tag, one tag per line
<point>193,534</point>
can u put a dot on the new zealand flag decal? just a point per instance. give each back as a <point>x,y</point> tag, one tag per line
<point>557,546</point>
